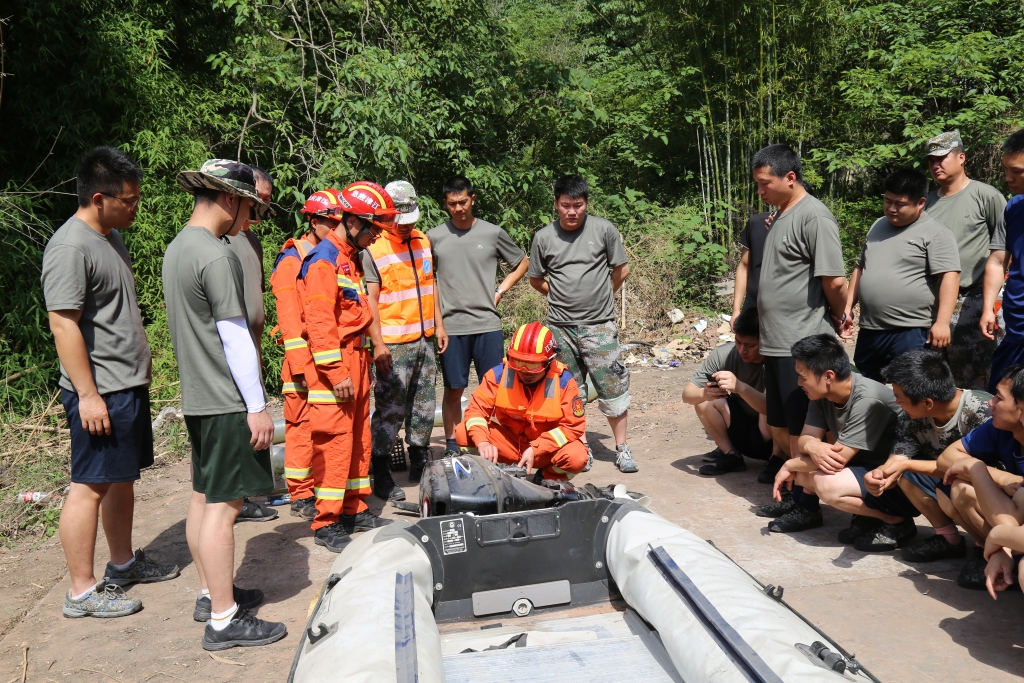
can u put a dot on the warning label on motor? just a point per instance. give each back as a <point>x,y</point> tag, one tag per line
<point>453,537</point>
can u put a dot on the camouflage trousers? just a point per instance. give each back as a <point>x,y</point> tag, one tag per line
<point>969,354</point>
<point>406,394</point>
<point>594,349</point>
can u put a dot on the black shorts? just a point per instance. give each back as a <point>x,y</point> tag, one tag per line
<point>744,431</point>
<point>892,501</point>
<point>787,402</point>
<point>224,464</point>
<point>485,350</point>
<point>119,457</point>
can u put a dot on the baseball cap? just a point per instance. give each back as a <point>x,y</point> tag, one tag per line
<point>404,196</point>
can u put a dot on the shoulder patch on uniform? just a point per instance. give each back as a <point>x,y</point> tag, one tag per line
<point>325,251</point>
<point>577,406</point>
<point>563,381</point>
<point>498,371</point>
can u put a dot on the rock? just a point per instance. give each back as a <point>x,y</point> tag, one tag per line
<point>675,315</point>
<point>724,328</point>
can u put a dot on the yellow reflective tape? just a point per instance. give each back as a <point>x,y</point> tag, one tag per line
<point>357,484</point>
<point>324,357</point>
<point>321,396</point>
<point>296,343</point>
<point>519,335</point>
<point>293,388</point>
<point>329,494</point>
<point>540,339</point>
<point>295,473</point>
<point>346,282</point>
<point>559,436</point>
<point>476,422</point>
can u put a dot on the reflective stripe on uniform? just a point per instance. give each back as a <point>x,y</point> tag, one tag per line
<point>324,357</point>
<point>295,343</point>
<point>397,330</point>
<point>329,494</point>
<point>348,283</point>
<point>404,295</point>
<point>358,484</point>
<point>293,388</point>
<point>559,436</point>
<point>400,257</point>
<point>476,422</point>
<point>322,396</point>
<point>296,473</point>
<point>568,474</point>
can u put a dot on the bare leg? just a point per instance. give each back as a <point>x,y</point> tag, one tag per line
<point>451,411</point>
<point>77,530</point>
<point>842,492</point>
<point>966,503</point>
<point>618,425</point>
<point>925,504</point>
<point>766,431</point>
<point>715,417</point>
<point>946,505</point>
<point>116,513</point>
<point>782,439</point>
<point>193,523</point>
<point>217,550</point>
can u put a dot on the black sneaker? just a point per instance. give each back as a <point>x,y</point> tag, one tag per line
<point>247,598</point>
<point>712,456</point>
<point>934,548</point>
<point>886,537</point>
<point>973,573</point>
<point>304,507</point>
<point>419,456</point>
<point>859,525</point>
<point>777,508</point>
<point>728,462</point>
<point>333,537</point>
<point>142,570</point>
<point>384,487</point>
<point>771,468</point>
<point>254,512</point>
<point>797,519</point>
<point>245,630</point>
<point>362,521</point>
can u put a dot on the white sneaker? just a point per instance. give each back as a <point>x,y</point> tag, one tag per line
<point>625,461</point>
<point>590,460</point>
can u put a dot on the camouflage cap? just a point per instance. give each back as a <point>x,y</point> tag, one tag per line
<point>224,175</point>
<point>404,195</point>
<point>944,143</point>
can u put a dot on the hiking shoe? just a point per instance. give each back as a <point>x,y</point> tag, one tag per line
<point>142,570</point>
<point>590,460</point>
<point>245,630</point>
<point>777,508</point>
<point>712,456</point>
<point>362,521</point>
<point>449,453</point>
<point>304,507</point>
<point>105,601</point>
<point>254,512</point>
<point>384,487</point>
<point>973,573</point>
<point>886,537</point>
<point>771,468</point>
<point>934,548</point>
<point>728,462</point>
<point>333,537</point>
<point>418,457</point>
<point>625,461</point>
<point>859,525</point>
<point>246,598</point>
<point>797,519</point>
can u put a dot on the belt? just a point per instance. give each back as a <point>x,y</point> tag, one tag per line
<point>358,341</point>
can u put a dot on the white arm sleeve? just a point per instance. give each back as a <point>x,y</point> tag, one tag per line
<point>243,361</point>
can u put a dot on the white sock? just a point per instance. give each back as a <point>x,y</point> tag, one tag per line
<point>79,597</point>
<point>220,620</point>
<point>125,565</point>
<point>205,592</point>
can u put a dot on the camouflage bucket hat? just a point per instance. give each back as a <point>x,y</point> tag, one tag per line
<point>404,195</point>
<point>944,143</point>
<point>224,175</point>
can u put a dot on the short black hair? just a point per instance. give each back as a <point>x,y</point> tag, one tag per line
<point>821,352</point>
<point>572,186</point>
<point>105,170</point>
<point>921,374</point>
<point>1015,374</point>
<point>258,173</point>
<point>746,323</point>
<point>1014,143</point>
<point>908,182</point>
<point>780,160</point>
<point>204,195</point>
<point>457,184</point>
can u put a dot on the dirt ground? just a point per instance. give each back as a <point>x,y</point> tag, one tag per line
<point>904,622</point>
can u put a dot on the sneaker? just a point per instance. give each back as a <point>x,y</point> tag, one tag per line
<point>625,461</point>
<point>304,507</point>
<point>449,453</point>
<point>777,508</point>
<point>590,460</point>
<point>245,630</point>
<point>418,458</point>
<point>362,521</point>
<point>771,468</point>
<point>886,537</point>
<point>105,601</point>
<point>384,487</point>
<point>797,519</point>
<point>254,512</point>
<point>142,570</point>
<point>245,597</point>
<point>859,525</point>
<point>934,548</point>
<point>973,573</point>
<point>728,462</point>
<point>333,537</point>
<point>712,456</point>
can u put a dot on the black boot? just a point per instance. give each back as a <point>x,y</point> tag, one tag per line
<point>384,487</point>
<point>418,458</point>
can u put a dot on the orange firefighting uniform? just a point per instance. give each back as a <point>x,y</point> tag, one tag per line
<point>513,417</point>
<point>298,445</point>
<point>337,317</point>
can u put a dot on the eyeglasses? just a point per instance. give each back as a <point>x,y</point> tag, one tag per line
<point>129,202</point>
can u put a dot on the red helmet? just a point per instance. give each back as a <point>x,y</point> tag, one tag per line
<point>323,203</point>
<point>532,343</point>
<point>370,202</point>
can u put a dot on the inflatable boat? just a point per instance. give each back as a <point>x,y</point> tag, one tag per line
<point>504,580</point>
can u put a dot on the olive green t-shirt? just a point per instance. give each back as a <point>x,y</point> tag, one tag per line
<point>802,247</point>
<point>726,357</point>
<point>903,267</point>
<point>244,248</point>
<point>975,215</point>
<point>867,421</point>
<point>203,284</point>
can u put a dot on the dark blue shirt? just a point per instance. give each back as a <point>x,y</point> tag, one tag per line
<point>1013,295</point>
<point>991,445</point>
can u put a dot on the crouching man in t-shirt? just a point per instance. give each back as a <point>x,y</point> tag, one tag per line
<point>727,393</point>
<point>861,415</point>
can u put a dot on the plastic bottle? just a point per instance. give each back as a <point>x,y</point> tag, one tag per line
<point>33,497</point>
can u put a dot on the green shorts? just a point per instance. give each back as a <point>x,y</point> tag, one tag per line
<point>224,464</point>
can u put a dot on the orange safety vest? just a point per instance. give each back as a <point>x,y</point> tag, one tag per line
<point>406,301</point>
<point>542,405</point>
